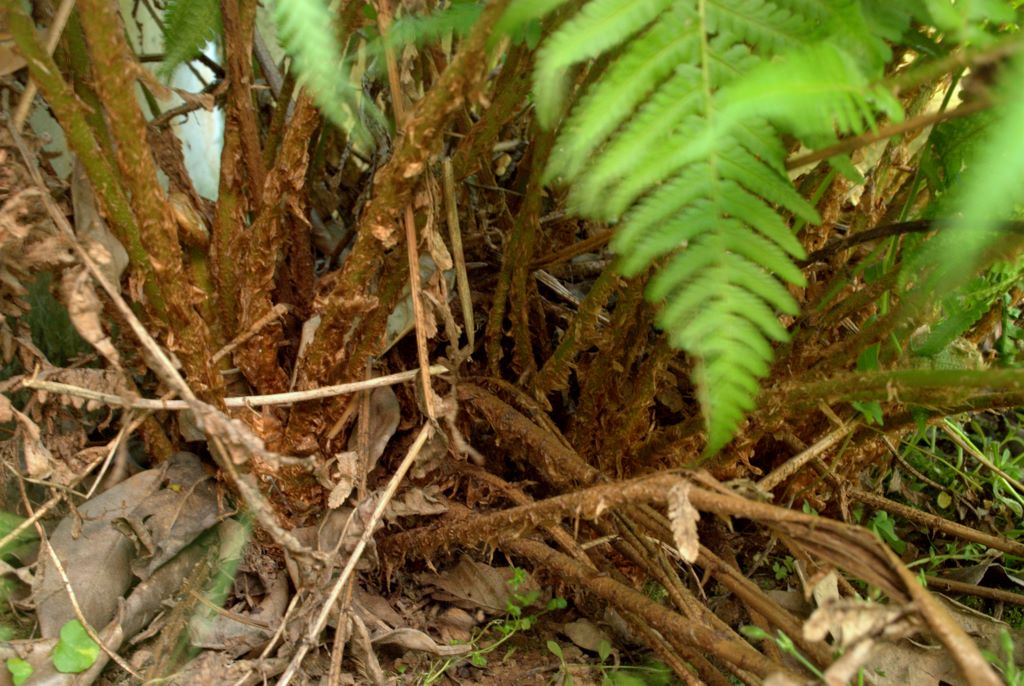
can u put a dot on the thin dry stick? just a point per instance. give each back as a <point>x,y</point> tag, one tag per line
<point>273,639</point>
<point>415,286</point>
<point>124,431</point>
<point>78,609</point>
<point>793,465</point>
<point>48,505</point>
<point>314,633</point>
<point>60,19</point>
<point>411,252</point>
<point>912,124</point>
<point>164,367</point>
<point>238,401</point>
<point>275,312</point>
<point>455,233</point>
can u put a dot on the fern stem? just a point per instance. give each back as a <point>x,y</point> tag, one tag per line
<point>392,190</point>
<point>266,239</point>
<point>599,392</point>
<point>632,422</point>
<point>74,119</point>
<point>239,24</point>
<point>512,87</point>
<point>554,375</point>
<point>940,388</point>
<point>520,252</point>
<point>112,60</point>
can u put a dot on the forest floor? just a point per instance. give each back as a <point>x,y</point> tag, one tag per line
<point>524,545</point>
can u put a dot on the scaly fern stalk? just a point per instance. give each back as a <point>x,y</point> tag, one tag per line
<point>83,140</point>
<point>351,300</point>
<point>679,141</point>
<point>112,59</point>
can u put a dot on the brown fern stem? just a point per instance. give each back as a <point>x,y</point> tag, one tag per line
<point>392,191</point>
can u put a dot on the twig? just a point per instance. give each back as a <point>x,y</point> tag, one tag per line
<point>409,218</point>
<point>947,527</point>
<point>595,242</point>
<point>455,233</point>
<point>275,312</point>
<point>793,464</point>
<point>912,124</point>
<point>216,89</point>
<point>314,633</point>
<point>266,62</point>
<point>60,19</point>
<point>158,404</point>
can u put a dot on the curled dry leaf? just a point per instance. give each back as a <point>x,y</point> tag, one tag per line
<point>385,414</point>
<point>38,458</point>
<point>684,517</point>
<point>477,585</point>
<point>100,242</point>
<point>84,308</point>
<point>345,471</point>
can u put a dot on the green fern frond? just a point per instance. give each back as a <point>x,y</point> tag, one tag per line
<point>522,12</point>
<point>600,26</point>
<point>989,192</point>
<point>679,140</point>
<point>767,26</point>
<point>645,63</point>
<point>188,26</point>
<point>810,93</point>
<point>627,152</point>
<point>457,18</point>
<point>305,29</point>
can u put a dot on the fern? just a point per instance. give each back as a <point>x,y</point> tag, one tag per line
<point>679,140</point>
<point>305,29</point>
<point>988,192</point>
<point>600,26</point>
<point>188,26</point>
<point>457,18</point>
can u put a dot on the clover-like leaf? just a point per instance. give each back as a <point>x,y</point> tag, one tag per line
<point>19,669</point>
<point>75,651</point>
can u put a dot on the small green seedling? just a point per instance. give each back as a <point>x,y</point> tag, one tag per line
<point>19,669</point>
<point>1012,674</point>
<point>75,651</point>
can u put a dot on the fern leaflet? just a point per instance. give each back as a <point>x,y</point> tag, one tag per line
<point>188,26</point>
<point>305,29</point>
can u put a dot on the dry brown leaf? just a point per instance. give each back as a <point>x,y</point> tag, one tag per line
<point>38,458</point>
<point>417,501</point>
<point>684,517</point>
<point>100,242</point>
<point>475,584</point>
<point>85,310</point>
<point>345,469</point>
<point>385,414</point>
<point>586,635</point>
